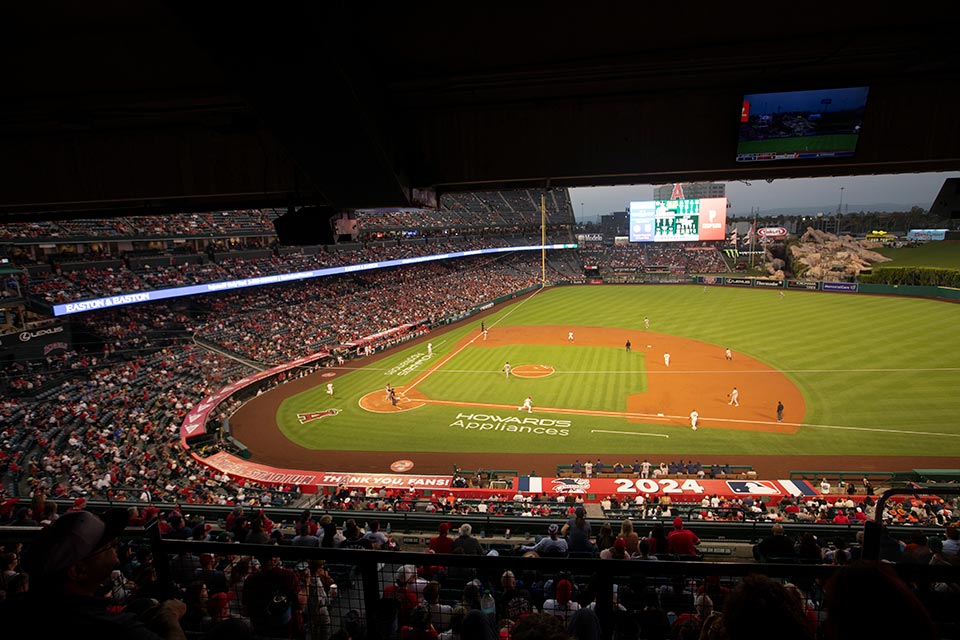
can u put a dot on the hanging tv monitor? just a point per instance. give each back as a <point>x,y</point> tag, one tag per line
<point>801,125</point>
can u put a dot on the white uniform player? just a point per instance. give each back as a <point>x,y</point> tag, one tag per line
<point>527,404</point>
<point>570,336</point>
<point>429,348</point>
<point>734,397</point>
<point>694,416</point>
<point>666,359</point>
<point>506,369</point>
<point>329,388</point>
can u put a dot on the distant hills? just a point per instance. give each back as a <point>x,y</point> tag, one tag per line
<point>885,207</point>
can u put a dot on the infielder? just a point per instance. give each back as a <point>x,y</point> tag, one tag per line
<point>329,388</point>
<point>429,348</point>
<point>694,416</point>
<point>527,404</point>
<point>666,359</point>
<point>646,322</point>
<point>734,397</point>
<point>506,369</point>
<point>728,354</point>
<point>570,337</point>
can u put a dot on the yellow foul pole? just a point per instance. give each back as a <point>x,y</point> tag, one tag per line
<point>543,239</point>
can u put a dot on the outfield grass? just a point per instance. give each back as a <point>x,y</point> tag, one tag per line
<point>799,144</point>
<point>879,376</point>
<point>945,254</point>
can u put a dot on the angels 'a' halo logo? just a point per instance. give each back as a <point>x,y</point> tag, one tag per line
<point>400,466</point>
<point>304,418</point>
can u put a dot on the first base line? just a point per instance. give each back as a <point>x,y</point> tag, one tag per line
<point>630,433</point>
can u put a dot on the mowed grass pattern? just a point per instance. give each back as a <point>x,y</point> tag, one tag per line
<point>879,376</point>
<point>595,378</point>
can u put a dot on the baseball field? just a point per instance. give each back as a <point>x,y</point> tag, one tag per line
<point>867,382</point>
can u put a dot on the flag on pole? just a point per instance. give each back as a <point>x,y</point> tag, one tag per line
<point>733,237</point>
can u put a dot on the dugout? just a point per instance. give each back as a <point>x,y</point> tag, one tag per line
<point>937,475</point>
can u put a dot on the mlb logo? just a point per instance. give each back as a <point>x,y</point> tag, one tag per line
<point>754,487</point>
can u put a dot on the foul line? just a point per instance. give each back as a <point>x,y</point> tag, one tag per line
<point>687,371</point>
<point>703,420</point>
<point>631,433</point>
<point>426,374</point>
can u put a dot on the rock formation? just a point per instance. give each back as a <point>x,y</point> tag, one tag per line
<point>823,256</point>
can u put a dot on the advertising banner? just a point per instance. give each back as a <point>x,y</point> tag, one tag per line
<point>739,282</point>
<point>847,287</point>
<point>234,466</point>
<point>683,490</point>
<point>36,342</point>
<point>802,284</point>
<point>769,284</point>
<point>772,233</point>
<point>926,235</point>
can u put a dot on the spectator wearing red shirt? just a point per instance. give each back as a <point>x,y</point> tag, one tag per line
<point>680,541</point>
<point>400,592</point>
<point>442,543</point>
<point>841,518</point>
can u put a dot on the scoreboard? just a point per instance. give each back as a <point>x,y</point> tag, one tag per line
<point>691,219</point>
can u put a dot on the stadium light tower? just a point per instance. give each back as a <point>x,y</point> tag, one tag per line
<point>839,213</point>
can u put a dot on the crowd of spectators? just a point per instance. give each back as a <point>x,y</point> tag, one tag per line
<point>58,284</point>
<point>701,257</point>
<point>289,321</point>
<point>502,209</point>
<point>108,426</point>
<point>221,592</point>
<point>223,223</point>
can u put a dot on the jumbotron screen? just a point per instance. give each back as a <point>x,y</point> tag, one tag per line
<point>678,220</point>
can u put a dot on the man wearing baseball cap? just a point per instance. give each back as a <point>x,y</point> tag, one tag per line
<point>68,563</point>
<point>682,542</point>
<point>552,545</point>
<point>442,543</point>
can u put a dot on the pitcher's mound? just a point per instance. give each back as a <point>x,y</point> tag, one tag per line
<point>377,401</point>
<point>531,370</point>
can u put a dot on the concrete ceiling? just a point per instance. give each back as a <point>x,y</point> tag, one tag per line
<point>155,106</point>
